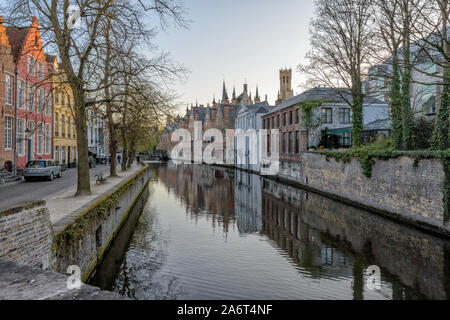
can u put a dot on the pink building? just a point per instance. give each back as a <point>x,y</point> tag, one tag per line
<point>34,95</point>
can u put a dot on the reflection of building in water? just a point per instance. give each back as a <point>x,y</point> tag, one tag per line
<point>282,222</point>
<point>248,202</point>
<point>321,234</point>
<point>205,190</point>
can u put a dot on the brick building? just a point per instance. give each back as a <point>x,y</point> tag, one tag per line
<point>34,94</point>
<point>334,116</point>
<point>6,101</point>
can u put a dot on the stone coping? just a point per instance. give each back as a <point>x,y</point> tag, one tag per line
<point>18,208</point>
<point>21,282</point>
<point>64,208</point>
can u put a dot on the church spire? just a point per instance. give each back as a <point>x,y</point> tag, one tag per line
<point>257,98</point>
<point>224,94</point>
<point>234,92</point>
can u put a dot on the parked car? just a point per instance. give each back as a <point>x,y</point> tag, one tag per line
<point>42,169</point>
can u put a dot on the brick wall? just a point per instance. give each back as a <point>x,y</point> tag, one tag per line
<point>395,186</point>
<point>26,234</point>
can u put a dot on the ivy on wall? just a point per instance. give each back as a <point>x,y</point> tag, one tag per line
<point>367,158</point>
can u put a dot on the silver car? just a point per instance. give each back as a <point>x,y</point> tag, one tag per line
<point>42,169</point>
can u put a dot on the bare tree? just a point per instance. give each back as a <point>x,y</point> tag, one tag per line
<point>342,40</point>
<point>76,46</point>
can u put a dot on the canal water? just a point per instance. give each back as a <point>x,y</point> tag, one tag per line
<point>216,233</point>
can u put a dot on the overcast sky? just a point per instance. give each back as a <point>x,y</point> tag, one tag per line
<point>239,40</point>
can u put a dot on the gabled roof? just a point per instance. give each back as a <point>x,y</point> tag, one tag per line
<point>329,95</point>
<point>17,38</point>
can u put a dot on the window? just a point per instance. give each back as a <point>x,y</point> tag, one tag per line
<point>278,121</point>
<point>284,119</point>
<point>429,99</point>
<point>21,137</point>
<point>284,142</point>
<point>9,89</point>
<point>31,91</point>
<point>48,138</point>
<point>264,124</point>
<point>31,65</point>
<point>68,127</point>
<point>56,125</point>
<point>290,142</point>
<point>268,144</point>
<point>273,122</point>
<point>40,139</point>
<point>297,116</point>
<point>344,115</point>
<point>8,132</point>
<point>345,139</point>
<point>56,97</point>
<point>291,118</point>
<point>63,126</point>
<point>297,142</point>
<point>40,101</point>
<point>327,115</point>
<point>21,93</point>
<point>74,129</point>
<point>62,99</point>
<point>48,107</point>
<point>41,71</point>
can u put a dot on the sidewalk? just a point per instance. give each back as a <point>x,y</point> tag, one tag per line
<point>64,203</point>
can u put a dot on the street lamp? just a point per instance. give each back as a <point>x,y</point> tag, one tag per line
<point>16,72</point>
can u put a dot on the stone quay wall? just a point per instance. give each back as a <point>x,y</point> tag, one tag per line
<point>397,188</point>
<point>83,237</point>
<point>26,234</point>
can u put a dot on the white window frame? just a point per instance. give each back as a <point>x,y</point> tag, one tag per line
<point>9,89</point>
<point>47,103</point>
<point>31,103</point>
<point>48,138</point>
<point>8,132</point>
<point>40,70</point>
<point>40,138</point>
<point>21,137</point>
<point>22,96</point>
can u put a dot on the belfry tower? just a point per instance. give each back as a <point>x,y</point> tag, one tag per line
<point>286,91</point>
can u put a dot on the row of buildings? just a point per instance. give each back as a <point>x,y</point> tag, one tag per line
<point>37,119</point>
<point>332,120</point>
<point>245,113</point>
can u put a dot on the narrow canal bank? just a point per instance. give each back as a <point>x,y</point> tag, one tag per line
<point>217,233</point>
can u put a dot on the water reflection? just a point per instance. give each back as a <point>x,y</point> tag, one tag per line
<point>215,233</point>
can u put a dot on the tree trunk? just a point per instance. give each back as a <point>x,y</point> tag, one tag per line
<point>357,118</point>
<point>83,180</point>
<point>407,116</point>
<point>440,139</point>
<point>396,104</point>
<point>109,111</point>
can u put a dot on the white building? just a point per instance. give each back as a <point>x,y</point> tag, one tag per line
<point>248,145</point>
<point>96,134</point>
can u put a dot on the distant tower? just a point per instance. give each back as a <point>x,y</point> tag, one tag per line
<point>286,91</point>
<point>224,94</point>
<point>257,98</point>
